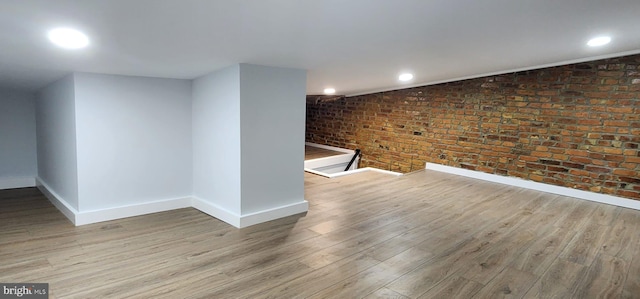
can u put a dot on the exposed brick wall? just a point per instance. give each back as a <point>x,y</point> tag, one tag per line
<point>576,126</point>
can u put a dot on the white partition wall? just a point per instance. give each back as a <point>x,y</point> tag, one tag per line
<point>56,133</point>
<point>248,124</point>
<point>18,163</point>
<point>133,140</point>
<point>216,143</point>
<point>114,146</point>
<point>230,144</point>
<point>272,122</point>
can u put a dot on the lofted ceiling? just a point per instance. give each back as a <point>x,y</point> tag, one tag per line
<point>354,46</point>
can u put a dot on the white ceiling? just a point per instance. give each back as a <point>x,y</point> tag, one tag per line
<point>355,46</point>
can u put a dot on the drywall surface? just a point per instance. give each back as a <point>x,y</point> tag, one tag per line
<point>18,152</point>
<point>134,140</point>
<point>216,138</point>
<point>56,140</point>
<point>272,105</point>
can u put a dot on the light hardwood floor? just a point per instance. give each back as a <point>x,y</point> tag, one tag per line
<point>312,152</point>
<point>369,235</point>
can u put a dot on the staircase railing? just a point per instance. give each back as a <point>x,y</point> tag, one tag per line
<point>355,155</point>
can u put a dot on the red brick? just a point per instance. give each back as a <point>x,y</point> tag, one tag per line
<point>542,154</point>
<point>594,169</point>
<point>616,123</point>
<point>580,153</point>
<point>611,150</point>
<point>628,165</point>
<point>626,193</point>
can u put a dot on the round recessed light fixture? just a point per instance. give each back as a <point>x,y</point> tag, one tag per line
<point>405,77</point>
<point>329,90</point>
<point>598,41</point>
<point>68,38</point>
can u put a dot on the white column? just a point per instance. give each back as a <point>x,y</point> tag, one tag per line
<point>248,125</point>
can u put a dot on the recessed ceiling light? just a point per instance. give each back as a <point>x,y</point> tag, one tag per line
<point>329,91</point>
<point>68,38</point>
<point>598,41</point>
<point>405,77</point>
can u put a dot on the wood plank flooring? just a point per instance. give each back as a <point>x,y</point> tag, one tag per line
<point>312,152</point>
<point>368,235</point>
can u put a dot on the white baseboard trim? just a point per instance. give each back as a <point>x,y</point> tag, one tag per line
<point>332,148</point>
<point>65,208</point>
<point>88,217</point>
<point>241,221</point>
<point>274,213</point>
<point>359,170</point>
<point>216,211</point>
<point>580,194</point>
<point>16,182</point>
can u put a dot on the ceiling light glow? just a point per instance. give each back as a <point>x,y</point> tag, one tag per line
<point>405,77</point>
<point>329,91</point>
<point>68,38</point>
<point>599,41</point>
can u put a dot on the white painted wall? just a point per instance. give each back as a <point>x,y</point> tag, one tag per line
<point>216,139</point>
<point>272,144</point>
<point>117,146</point>
<point>56,140</point>
<point>134,140</point>
<point>18,155</point>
